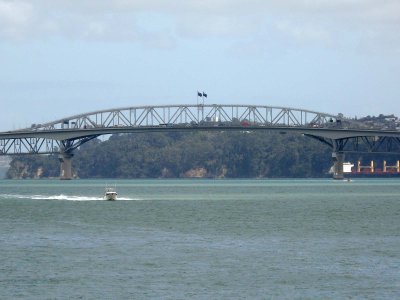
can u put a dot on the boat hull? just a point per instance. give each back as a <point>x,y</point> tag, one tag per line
<point>110,196</point>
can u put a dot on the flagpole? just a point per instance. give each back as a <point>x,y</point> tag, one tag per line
<point>199,106</point>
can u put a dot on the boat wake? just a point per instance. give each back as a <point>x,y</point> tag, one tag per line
<point>62,197</point>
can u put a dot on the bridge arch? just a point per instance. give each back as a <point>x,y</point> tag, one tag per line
<point>181,114</point>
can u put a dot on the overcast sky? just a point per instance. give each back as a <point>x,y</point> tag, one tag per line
<point>63,57</point>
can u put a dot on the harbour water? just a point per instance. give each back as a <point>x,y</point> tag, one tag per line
<point>200,239</point>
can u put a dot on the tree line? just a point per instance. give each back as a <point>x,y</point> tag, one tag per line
<point>260,154</point>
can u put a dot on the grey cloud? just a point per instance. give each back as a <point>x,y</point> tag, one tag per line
<point>316,21</point>
<point>15,18</point>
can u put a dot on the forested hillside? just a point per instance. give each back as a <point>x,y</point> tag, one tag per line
<point>194,154</point>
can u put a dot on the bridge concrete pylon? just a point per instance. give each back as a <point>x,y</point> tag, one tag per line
<point>338,159</point>
<point>65,166</point>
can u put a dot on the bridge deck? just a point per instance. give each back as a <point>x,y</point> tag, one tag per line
<point>69,133</point>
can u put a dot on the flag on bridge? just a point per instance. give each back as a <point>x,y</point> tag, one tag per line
<point>204,95</point>
<point>199,94</point>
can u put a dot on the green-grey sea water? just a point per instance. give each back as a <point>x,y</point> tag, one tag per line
<point>200,239</point>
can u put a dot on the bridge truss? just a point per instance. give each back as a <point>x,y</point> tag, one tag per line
<point>20,146</point>
<point>363,144</point>
<point>190,114</point>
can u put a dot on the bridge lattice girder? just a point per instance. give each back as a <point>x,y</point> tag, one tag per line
<point>186,114</point>
<point>21,146</point>
<point>363,144</point>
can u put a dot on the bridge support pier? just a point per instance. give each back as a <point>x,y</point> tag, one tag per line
<point>338,159</point>
<point>66,166</point>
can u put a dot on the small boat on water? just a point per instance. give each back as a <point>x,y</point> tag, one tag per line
<point>110,193</point>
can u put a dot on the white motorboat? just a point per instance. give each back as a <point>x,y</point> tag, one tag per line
<point>110,193</point>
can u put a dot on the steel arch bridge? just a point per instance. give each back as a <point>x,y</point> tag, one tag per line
<point>65,135</point>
